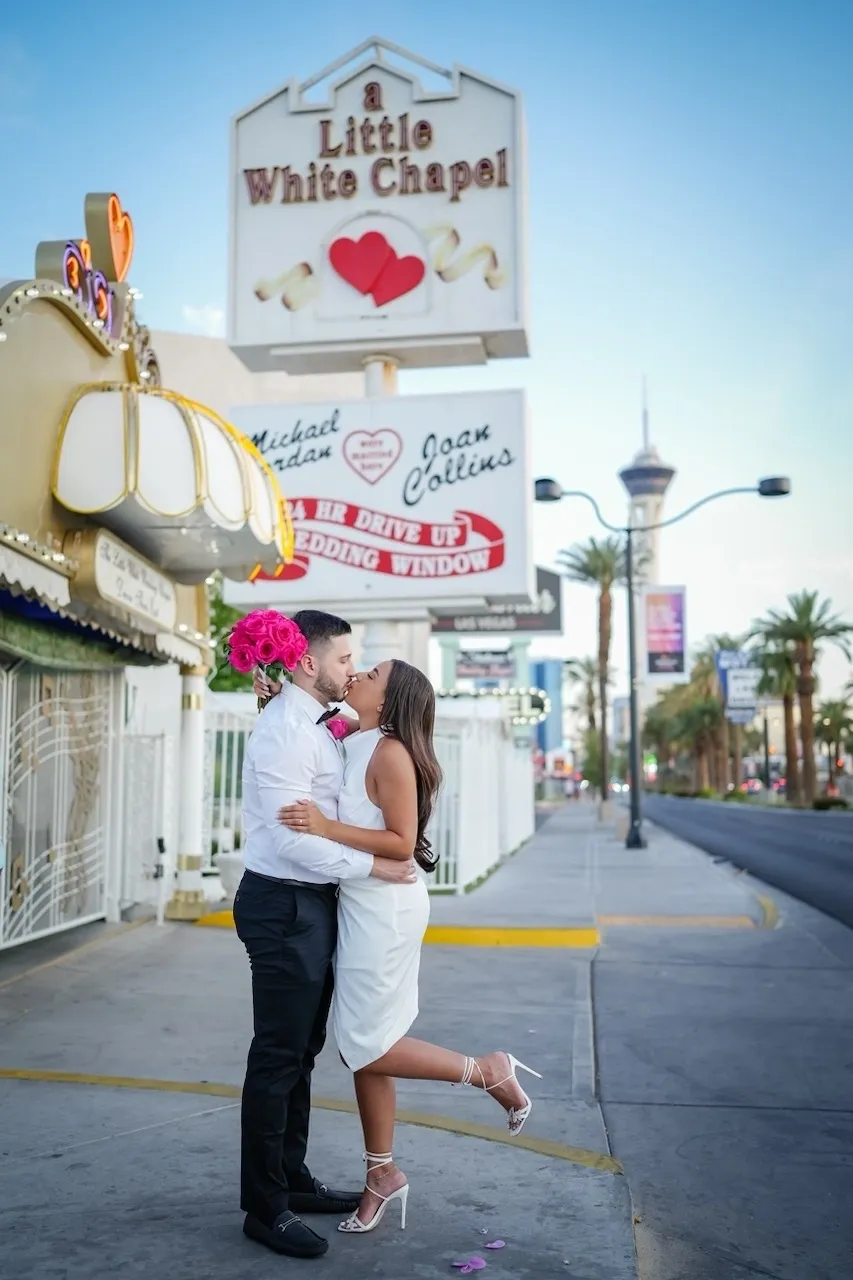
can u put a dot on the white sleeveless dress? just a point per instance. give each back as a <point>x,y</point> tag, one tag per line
<point>380,931</point>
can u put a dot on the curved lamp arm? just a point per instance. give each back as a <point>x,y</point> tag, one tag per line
<point>688,511</point>
<point>664,524</point>
<point>579,493</point>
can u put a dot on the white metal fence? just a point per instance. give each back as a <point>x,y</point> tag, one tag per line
<point>484,811</point>
<point>57,783</point>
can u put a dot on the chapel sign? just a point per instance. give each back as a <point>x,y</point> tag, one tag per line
<point>382,219</point>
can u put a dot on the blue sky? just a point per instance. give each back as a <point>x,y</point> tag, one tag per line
<point>690,198</point>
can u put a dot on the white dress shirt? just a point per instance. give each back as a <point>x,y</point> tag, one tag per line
<point>290,757</point>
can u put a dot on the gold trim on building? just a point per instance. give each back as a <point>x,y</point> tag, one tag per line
<point>188,862</point>
<point>192,702</point>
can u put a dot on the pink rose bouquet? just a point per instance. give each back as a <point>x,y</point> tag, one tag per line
<point>268,640</point>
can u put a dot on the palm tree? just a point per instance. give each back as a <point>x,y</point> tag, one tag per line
<point>660,732</point>
<point>833,725</point>
<point>805,626</point>
<point>696,729</point>
<point>584,671</point>
<point>600,564</point>
<point>779,680</point>
<point>705,680</point>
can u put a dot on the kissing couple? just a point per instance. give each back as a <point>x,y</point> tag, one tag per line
<point>334,839</point>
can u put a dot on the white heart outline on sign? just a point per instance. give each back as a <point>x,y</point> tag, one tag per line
<point>371,435</point>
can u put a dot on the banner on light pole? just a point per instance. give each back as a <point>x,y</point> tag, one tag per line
<point>665,635</point>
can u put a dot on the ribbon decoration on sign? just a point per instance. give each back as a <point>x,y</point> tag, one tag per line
<point>297,287</point>
<point>448,270</point>
<point>451,556</point>
<point>300,284</point>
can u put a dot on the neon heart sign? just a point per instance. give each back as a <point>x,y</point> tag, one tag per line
<point>88,286</point>
<point>92,271</point>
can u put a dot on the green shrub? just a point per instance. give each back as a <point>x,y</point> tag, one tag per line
<point>830,802</point>
<point>706,793</point>
<point>737,796</point>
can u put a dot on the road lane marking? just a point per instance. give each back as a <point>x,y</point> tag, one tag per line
<point>594,1160</point>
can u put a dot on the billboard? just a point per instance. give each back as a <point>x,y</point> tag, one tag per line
<point>484,664</point>
<point>424,499</point>
<point>543,616</point>
<point>383,218</point>
<point>665,635</point>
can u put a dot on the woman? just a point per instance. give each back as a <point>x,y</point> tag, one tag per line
<point>390,784</point>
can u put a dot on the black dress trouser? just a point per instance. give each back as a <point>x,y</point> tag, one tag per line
<point>289,932</point>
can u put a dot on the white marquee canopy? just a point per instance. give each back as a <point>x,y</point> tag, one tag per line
<point>172,479</point>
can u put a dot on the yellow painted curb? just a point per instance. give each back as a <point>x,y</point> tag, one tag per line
<point>217,920</point>
<point>769,913</point>
<point>420,1119</point>
<point>452,935</point>
<point>678,922</point>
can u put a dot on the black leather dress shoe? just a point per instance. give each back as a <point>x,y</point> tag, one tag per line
<point>324,1200</point>
<point>288,1234</point>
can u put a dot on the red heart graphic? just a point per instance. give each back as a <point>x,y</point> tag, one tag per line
<point>397,277</point>
<point>360,262</point>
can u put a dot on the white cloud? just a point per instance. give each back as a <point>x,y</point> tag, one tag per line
<point>207,320</point>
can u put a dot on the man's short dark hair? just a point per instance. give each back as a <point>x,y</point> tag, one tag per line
<point>318,627</point>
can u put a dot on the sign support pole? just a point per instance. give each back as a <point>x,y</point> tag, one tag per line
<point>384,638</point>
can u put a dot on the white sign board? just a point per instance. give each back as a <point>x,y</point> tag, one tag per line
<point>742,688</point>
<point>382,219</point>
<point>125,579</point>
<point>424,499</point>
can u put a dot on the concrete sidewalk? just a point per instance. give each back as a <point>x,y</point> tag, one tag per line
<point>108,1170</point>
<point>718,1047</point>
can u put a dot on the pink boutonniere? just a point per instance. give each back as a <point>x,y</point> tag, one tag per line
<point>338,727</point>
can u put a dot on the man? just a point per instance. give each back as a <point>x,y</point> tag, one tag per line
<point>286,916</point>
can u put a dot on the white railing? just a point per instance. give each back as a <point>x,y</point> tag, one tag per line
<point>484,810</point>
<point>229,721</point>
<point>148,856</point>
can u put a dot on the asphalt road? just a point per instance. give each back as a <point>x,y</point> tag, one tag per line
<point>808,855</point>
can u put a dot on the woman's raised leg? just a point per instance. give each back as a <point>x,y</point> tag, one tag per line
<point>411,1059</point>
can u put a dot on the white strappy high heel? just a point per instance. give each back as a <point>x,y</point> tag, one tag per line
<point>353,1223</point>
<point>515,1116</point>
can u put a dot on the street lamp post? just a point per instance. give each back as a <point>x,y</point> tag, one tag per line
<point>548,490</point>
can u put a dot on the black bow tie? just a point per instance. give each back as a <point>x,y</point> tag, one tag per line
<point>327,715</point>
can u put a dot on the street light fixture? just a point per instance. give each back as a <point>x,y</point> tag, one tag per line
<point>549,490</point>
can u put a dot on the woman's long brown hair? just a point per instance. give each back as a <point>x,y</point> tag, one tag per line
<point>408,714</point>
